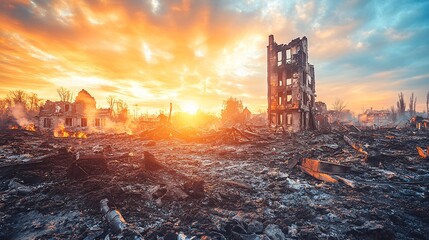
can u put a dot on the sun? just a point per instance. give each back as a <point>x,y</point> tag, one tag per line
<point>189,107</point>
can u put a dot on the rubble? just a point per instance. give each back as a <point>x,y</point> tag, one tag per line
<point>86,165</point>
<point>205,188</point>
<point>113,217</point>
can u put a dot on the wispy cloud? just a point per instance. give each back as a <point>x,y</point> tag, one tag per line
<point>150,52</point>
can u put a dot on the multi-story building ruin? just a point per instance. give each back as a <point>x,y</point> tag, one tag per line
<point>291,85</point>
<point>81,113</point>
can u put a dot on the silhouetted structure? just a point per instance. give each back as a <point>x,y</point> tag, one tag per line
<point>81,113</point>
<point>291,85</point>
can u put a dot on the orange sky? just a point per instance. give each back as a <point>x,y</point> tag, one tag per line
<point>188,52</point>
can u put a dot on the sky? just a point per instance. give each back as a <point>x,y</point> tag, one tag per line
<point>198,53</point>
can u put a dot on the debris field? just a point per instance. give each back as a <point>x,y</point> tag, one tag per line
<point>230,184</point>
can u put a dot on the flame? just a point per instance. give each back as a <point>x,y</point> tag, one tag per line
<point>30,127</point>
<point>61,132</point>
<point>79,135</point>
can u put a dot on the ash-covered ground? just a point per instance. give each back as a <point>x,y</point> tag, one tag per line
<point>219,188</point>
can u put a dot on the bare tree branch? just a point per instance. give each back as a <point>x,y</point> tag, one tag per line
<point>65,94</point>
<point>339,105</point>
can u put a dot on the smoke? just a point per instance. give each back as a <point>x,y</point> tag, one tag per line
<point>20,115</point>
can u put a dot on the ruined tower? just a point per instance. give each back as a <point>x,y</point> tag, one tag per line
<point>291,85</point>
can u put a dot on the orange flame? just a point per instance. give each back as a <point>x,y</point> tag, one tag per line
<point>79,135</point>
<point>30,127</point>
<point>61,132</point>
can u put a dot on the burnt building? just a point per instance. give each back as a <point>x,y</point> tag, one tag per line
<point>81,113</point>
<point>291,85</point>
<point>320,116</point>
<point>376,117</point>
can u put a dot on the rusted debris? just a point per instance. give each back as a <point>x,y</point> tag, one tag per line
<point>421,152</point>
<point>321,176</point>
<point>324,167</point>
<point>357,146</point>
<point>114,217</point>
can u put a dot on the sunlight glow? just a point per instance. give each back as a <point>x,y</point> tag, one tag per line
<point>189,107</point>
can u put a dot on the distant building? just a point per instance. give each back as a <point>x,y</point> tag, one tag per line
<point>291,85</point>
<point>344,116</point>
<point>376,117</point>
<point>81,113</point>
<point>419,122</point>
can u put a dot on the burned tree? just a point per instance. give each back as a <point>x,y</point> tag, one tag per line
<point>412,106</point>
<point>118,107</point>
<point>401,105</point>
<point>34,102</point>
<point>111,101</point>
<point>3,106</point>
<point>339,105</point>
<point>17,97</point>
<point>121,110</point>
<point>65,94</point>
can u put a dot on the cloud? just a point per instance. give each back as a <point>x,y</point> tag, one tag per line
<point>152,52</point>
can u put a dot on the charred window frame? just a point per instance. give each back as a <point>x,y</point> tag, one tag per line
<point>288,56</point>
<point>83,122</point>
<point>69,122</point>
<point>304,78</point>
<point>47,122</point>
<point>279,58</point>
<point>279,119</point>
<point>289,96</point>
<point>288,118</point>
